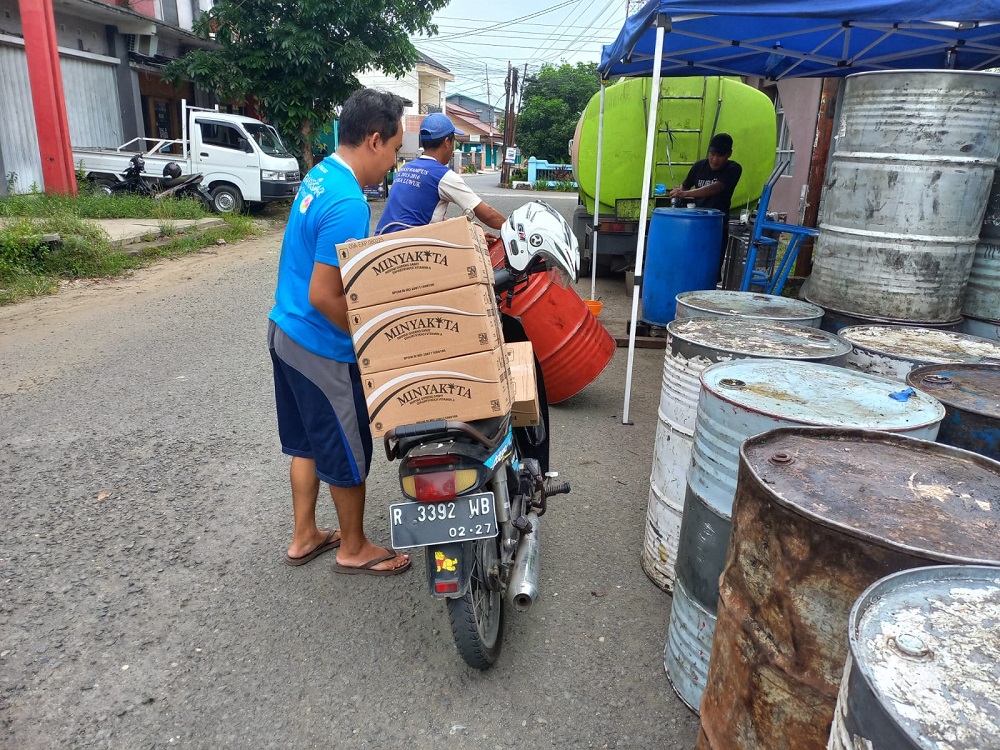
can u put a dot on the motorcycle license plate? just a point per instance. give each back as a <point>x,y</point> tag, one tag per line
<point>463,519</point>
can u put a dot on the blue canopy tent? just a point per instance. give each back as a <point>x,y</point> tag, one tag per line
<point>776,39</point>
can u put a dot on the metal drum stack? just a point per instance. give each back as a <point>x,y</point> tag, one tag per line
<point>982,296</point>
<point>820,515</point>
<point>737,401</point>
<point>692,345</point>
<point>971,398</point>
<point>892,351</point>
<point>726,304</point>
<point>923,669</point>
<point>905,195</point>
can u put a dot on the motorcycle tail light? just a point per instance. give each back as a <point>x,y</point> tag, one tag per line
<point>446,587</point>
<point>434,478</point>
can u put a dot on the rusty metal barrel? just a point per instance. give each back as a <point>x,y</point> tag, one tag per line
<point>820,515</point>
<point>892,351</point>
<point>834,322</point>
<point>923,668</point>
<point>720,303</point>
<point>984,329</point>
<point>692,345</point>
<point>971,398</point>
<point>905,194</point>
<point>739,400</point>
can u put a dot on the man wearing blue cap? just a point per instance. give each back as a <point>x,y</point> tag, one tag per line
<point>423,188</point>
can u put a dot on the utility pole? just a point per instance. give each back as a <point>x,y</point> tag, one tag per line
<point>510,120</point>
<point>505,168</point>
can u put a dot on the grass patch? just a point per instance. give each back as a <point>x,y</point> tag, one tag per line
<point>558,186</point>
<point>98,206</point>
<point>30,266</point>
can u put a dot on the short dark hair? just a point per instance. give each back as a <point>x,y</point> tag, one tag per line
<point>721,143</point>
<point>434,142</point>
<point>368,111</point>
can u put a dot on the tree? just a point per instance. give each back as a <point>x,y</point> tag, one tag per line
<point>554,101</point>
<point>298,58</point>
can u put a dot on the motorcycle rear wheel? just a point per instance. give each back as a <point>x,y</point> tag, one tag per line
<point>477,618</point>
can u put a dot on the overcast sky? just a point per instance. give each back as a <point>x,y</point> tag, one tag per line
<point>476,36</point>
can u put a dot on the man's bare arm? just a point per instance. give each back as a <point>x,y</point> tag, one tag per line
<point>326,294</point>
<point>703,192</point>
<point>489,215</point>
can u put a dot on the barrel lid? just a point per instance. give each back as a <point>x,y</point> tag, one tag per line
<point>925,642</point>
<point>927,499</point>
<point>758,338</point>
<point>816,394</point>
<point>921,345</point>
<point>687,212</point>
<point>971,388</point>
<point>750,305</point>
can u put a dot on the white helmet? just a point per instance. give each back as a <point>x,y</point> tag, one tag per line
<point>535,233</point>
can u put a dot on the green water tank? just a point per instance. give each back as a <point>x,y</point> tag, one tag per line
<point>690,111</point>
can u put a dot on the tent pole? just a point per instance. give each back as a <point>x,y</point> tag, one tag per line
<point>647,178</point>
<point>597,197</point>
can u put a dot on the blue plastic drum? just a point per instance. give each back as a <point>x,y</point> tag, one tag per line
<point>683,254</point>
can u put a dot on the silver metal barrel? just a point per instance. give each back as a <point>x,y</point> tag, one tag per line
<point>739,400</point>
<point>892,351</point>
<point>692,345</point>
<point>905,194</point>
<point>982,295</point>
<point>717,303</point>
<point>923,669</point>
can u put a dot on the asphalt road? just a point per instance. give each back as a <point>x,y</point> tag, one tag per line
<point>146,511</point>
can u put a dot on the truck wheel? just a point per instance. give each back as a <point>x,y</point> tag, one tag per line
<point>227,199</point>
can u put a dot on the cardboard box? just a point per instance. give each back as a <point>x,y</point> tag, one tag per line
<point>414,262</point>
<point>467,388</point>
<point>423,329</point>
<point>525,410</point>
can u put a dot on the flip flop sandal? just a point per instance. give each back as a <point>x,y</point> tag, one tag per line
<point>368,568</point>
<point>325,546</point>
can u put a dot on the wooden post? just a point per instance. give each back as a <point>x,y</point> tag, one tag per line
<point>817,168</point>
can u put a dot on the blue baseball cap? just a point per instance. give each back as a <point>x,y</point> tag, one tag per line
<point>437,126</point>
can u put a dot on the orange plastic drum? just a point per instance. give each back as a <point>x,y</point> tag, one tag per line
<point>571,345</point>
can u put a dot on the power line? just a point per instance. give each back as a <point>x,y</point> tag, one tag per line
<point>607,6</point>
<point>503,24</point>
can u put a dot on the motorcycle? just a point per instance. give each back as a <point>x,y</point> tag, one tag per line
<point>173,183</point>
<point>475,492</point>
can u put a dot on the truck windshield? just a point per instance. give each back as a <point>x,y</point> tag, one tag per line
<point>267,139</point>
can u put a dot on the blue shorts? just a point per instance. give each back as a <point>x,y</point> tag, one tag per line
<point>322,412</point>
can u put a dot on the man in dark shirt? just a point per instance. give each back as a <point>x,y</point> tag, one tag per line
<point>711,181</point>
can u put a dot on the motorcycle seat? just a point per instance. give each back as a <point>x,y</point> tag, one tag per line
<point>174,181</point>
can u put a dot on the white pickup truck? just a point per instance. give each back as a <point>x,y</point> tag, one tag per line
<point>243,161</point>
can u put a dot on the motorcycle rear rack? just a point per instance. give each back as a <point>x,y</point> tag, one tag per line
<point>441,429</point>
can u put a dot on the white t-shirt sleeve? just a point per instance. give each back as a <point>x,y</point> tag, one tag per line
<point>453,189</point>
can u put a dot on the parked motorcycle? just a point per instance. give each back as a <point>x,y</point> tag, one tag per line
<point>475,492</point>
<point>173,183</point>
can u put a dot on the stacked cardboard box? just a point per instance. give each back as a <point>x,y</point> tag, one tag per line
<point>524,392</point>
<point>425,325</point>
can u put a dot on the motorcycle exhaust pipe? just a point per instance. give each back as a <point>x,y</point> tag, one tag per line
<point>523,588</point>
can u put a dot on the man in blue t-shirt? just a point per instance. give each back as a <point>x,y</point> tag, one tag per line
<point>322,416</point>
<point>423,188</point>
